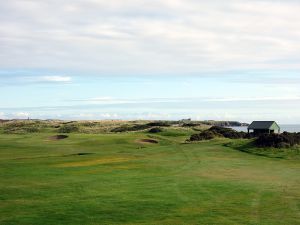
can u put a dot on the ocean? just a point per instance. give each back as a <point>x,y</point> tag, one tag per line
<point>284,127</point>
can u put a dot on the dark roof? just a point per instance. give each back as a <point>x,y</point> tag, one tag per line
<point>261,124</point>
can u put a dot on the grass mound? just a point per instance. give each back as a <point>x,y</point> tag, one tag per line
<point>22,127</point>
<point>140,127</point>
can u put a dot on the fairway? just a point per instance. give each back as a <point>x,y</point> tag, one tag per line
<point>121,179</point>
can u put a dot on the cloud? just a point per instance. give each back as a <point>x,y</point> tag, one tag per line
<point>122,101</point>
<point>254,99</point>
<point>2,115</point>
<point>55,78</point>
<point>43,79</point>
<point>150,37</point>
<point>20,115</point>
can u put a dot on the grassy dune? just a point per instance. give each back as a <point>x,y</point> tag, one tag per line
<point>118,179</point>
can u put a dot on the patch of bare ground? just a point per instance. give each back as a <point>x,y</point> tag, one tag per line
<point>147,141</point>
<point>58,137</point>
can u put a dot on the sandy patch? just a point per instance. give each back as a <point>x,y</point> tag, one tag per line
<point>147,141</point>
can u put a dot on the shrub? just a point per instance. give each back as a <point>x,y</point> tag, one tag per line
<point>130,128</point>
<point>205,135</point>
<point>155,130</point>
<point>216,131</point>
<point>228,132</point>
<point>190,124</point>
<point>68,128</point>
<point>159,124</point>
<point>283,140</point>
<point>21,127</point>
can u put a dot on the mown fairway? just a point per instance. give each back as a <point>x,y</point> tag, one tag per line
<point>122,181</point>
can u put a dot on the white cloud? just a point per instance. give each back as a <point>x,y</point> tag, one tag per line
<point>117,101</point>
<point>159,36</point>
<point>55,78</point>
<point>254,99</point>
<point>109,116</point>
<point>2,115</point>
<point>45,79</point>
<point>20,115</point>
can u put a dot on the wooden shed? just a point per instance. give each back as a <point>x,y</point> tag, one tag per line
<point>264,127</point>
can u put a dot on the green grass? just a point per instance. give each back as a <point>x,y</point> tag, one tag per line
<point>245,145</point>
<point>125,181</point>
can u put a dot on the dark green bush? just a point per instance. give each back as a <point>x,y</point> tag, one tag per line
<point>190,124</point>
<point>159,124</point>
<point>155,130</point>
<point>126,128</point>
<point>228,132</point>
<point>216,131</point>
<point>204,135</point>
<point>283,140</point>
<point>68,128</point>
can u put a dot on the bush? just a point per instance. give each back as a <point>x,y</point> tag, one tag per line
<point>283,140</point>
<point>205,135</point>
<point>68,128</point>
<point>131,128</point>
<point>21,127</point>
<point>216,131</point>
<point>190,124</point>
<point>155,130</point>
<point>228,132</point>
<point>159,124</point>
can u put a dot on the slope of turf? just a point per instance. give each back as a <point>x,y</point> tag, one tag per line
<point>117,179</point>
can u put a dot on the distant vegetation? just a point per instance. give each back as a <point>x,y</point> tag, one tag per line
<point>199,130</point>
<point>156,130</point>
<point>284,140</point>
<point>125,128</point>
<point>68,128</point>
<point>139,127</point>
<point>21,127</point>
<point>215,132</point>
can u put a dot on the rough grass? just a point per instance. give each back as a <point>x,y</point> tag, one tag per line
<point>47,183</point>
<point>92,162</point>
<point>292,153</point>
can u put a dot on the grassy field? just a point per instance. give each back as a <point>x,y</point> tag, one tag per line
<point>119,179</point>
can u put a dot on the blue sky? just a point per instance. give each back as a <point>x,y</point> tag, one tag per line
<point>93,59</point>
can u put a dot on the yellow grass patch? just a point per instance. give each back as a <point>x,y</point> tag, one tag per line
<point>95,162</point>
<point>108,169</point>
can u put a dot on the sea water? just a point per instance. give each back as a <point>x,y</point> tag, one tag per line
<point>283,127</point>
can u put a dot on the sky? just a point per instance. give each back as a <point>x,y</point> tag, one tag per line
<point>155,59</point>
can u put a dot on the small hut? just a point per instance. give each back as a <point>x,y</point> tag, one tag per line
<point>264,127</point>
